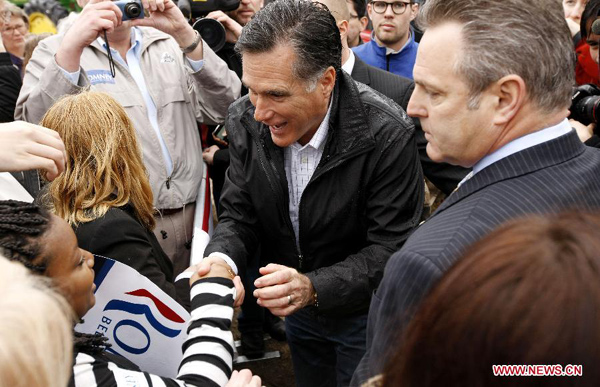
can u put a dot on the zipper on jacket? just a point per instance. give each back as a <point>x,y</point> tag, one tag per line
<point>168,182</point>
<point>387,60</point>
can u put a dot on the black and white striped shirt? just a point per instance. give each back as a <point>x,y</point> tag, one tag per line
<point>207,352</point>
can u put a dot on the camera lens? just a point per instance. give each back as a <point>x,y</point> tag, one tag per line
<point>132,10</point>
<point>212,32</point>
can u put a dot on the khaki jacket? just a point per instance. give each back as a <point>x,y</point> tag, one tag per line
<point>182,98</point>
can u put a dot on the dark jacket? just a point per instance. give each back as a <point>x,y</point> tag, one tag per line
<point>444,176</point>
<point>358,208</point>
<point>120,236</point>
<point>10,85</point>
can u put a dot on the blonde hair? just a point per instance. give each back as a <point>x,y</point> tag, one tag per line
<point>104,163</point>
<point>36,333</point>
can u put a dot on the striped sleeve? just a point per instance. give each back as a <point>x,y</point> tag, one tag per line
<point>207,352</point>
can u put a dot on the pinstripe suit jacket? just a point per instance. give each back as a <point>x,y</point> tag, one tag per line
<point>399,89</point>
<point>556,175</point>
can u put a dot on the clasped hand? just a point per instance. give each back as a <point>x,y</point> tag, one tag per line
<point>216,267</point>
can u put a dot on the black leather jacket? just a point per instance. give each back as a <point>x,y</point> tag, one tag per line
<point>361,203</point>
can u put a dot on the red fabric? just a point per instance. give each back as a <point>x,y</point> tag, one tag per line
<point>586,70</point>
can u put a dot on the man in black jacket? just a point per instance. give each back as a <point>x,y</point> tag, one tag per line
<point>443,175</point>
<point>325,176</point>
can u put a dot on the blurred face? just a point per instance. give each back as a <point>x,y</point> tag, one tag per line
<point>574,9</point>
<point>245,11</point>
<point>69,266</point>
<point>281,100</point>
<point>454,133</point>
<point>13,35</point>
<point>356,25</point>
<point>391,29</point>
<point>4,15</point>
<point>592,40</point>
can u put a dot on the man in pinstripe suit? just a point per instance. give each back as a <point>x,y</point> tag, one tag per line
<point>489,101</point>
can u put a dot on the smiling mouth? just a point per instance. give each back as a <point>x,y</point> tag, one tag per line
<point>277,129</point>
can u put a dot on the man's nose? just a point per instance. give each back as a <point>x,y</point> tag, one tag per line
<point>388,12</point>
<point>415,107</point>
<point>262,111</point>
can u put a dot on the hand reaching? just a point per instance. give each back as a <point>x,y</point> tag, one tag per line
<point>25,146</point>
<point>243,378</point>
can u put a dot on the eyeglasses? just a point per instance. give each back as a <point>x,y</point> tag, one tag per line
<point>398,7</point>
<point>11,29</point>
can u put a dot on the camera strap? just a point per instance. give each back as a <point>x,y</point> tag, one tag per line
<point>111,62</point>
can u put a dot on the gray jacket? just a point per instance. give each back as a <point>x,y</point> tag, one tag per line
<point>182,97</point>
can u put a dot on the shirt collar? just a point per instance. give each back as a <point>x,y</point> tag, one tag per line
<point>136,41</point>
<point>318,139</point>
<point>349,65</point>
<point>522,143</point>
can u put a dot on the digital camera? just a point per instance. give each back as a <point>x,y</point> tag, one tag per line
<point>131,9</point>
<point>212,31</point>
<point>585,104</point>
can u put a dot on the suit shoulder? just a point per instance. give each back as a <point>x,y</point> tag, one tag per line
<point>390,80</point>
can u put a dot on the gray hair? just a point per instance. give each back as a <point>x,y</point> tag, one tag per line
<point>501,37</point>
<point>18,12</point>
<point>308,27</point>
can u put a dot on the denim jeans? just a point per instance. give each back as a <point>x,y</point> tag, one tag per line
<point>325,351</point>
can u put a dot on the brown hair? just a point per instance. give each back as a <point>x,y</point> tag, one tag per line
<point>31,42</point>
<point>529,293</point>
<point>104,163</point>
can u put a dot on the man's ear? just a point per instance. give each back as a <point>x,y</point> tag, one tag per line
<point>343,27</point>
<point>369,11</point>
<point>414,11</point>
<point>510,92</point>
<point>327,81</point>
<point>364,21</point>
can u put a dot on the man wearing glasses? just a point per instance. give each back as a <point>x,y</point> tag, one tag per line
<point>392,46</point>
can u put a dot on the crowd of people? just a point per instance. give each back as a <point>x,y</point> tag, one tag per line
<point>414,206</point>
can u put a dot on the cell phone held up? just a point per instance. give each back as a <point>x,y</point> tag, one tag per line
<point>131,9</point>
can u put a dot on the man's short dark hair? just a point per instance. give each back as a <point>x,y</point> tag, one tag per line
<point>360,7</point>
<point>308,27</point>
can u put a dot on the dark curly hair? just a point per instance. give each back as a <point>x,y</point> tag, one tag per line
<point>22,226</point>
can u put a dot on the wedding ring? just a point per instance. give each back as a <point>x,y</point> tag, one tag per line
<point>289,300</point>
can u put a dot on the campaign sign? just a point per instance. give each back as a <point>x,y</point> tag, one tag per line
<point>142,322</point>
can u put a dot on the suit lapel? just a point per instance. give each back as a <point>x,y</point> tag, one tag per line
<point>521,163</point>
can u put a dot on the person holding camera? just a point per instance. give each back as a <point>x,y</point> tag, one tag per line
<point>166,78</point>
<point>582,117</point>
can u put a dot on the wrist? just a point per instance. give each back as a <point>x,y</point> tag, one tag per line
<point>185,37</point>
<point>68,58</point>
